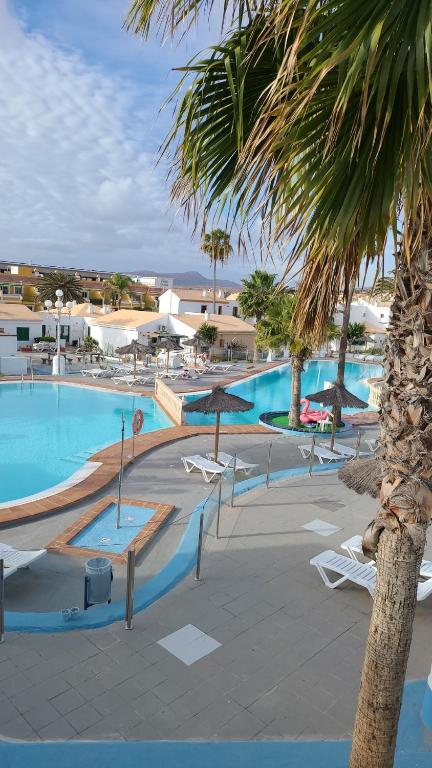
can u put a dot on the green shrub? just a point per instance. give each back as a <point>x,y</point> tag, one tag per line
<point>44,338</point>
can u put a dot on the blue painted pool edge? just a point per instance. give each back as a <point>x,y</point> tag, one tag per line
<point>180,565</point>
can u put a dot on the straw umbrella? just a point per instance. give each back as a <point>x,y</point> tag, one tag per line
<point>169,346</point>
<point>336,396</point>
<point>218,401</point>
<point>363,475</point>
<point>134,348</point>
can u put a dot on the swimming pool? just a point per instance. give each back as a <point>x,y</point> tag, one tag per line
<point>49,431</point>
<point>271,391</point>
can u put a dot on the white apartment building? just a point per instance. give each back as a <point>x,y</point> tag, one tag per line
<point>154,281</point>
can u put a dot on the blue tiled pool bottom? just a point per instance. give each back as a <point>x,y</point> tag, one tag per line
<point>101,534</point>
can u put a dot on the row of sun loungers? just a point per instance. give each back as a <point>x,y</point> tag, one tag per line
<point>324,455</point>
<point>210,468</point>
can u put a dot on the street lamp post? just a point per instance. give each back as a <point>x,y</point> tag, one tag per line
<point>58,367</point>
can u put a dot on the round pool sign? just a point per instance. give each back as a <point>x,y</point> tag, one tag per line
<point>137,421</point>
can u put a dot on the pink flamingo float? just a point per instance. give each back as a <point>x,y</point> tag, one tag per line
<point>311,417</point>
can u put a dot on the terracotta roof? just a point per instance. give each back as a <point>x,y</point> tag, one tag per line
<point>18,312</point>
<point>224,323</point>
<point>6,277</point>
<point>127,318</point>
<point>375,328</point>
<point>233,296</point>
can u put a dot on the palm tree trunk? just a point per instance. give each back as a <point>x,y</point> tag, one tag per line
<point>405,512</point>
<point>214,286</point>
<point>349,290</point>
<point>296,369</point>
<point>256,352</point>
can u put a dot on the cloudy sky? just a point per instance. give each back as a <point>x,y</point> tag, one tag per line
<point>80,125</point>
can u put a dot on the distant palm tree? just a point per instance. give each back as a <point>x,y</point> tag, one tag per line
<point>64,281</point>
<point>277,329</point>
<point>208,334</point>
<point>218,248</point>
<point>256,296</point>
<point>118,287</point>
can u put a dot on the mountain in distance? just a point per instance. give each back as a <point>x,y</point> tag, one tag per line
<point>188,279</point>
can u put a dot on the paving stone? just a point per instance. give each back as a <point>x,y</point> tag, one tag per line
<point>17,728</point>
<point>59,729</point>
<point>7,712</point>
<point>15,684</point>
<point>41,715</point>
<point>91,688</point>
<point>83,717</point>
<point>68,701</point>
<point>148,704</point>
<point>243,726</point>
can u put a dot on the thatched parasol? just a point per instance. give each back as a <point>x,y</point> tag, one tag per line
<point>169,345</point>
<point>363,475</point>
<point>336,396</point>
<point>134,348</point>
<point>218,401</point>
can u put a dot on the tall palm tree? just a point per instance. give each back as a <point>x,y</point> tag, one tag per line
<point>218,248</point>
<point>277,329</point>
<point>58,280</point>
<point>332,144</point>
<point>255,297</point>
<point>118,287</point>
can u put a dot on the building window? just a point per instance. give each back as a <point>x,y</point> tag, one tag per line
<point>221,343</point>
<point>382,317</point>
<point>235,311</point>
<point>203,308</point>
<point>219,310</point>
<point>23,334</point>
<point>5,289</point>
<point>17,290</point>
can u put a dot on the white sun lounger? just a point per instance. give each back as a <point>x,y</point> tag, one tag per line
<point>209,468</point>
<point>358,573</point>
<point>322,454</point>
<point>228,461</point>
<point>354,548</point>
<point>346,450</point>
<point>220,367</point>
<point>97,373</point>
<point>373,444</point>
<point>134,380</point>
<point>19,558</point>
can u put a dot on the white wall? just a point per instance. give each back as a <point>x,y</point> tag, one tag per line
<point>369,313</point>
<point>110,338</point>
<point>8,344</point>
<point>10,327</point>
<point>170,302</point>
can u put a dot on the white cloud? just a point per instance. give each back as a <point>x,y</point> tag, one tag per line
<point>77,185</point>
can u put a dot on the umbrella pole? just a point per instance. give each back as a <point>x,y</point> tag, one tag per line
<point>135,359</point>
<point>167,360</point>
<point>311,455</point>
<point>120,477</point>
<point>216,445</point>
<point>333,432</point>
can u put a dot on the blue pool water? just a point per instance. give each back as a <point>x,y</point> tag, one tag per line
<point>48,431</point>
<point>271,391</point>
<point>102,534</point>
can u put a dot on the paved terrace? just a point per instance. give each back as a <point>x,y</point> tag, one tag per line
<point>290,649</point>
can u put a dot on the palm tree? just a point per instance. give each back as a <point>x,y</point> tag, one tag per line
<point>256,296</point>
<point>356,333</point>
<point>64,281</point>
<point>328,140</point>
<point>208,334</point>
<point>218,248</point>
<point>277,329</point>
<point>118,287</point>
<point>332,332</point>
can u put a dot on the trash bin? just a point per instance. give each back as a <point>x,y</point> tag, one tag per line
<point>98,581</point>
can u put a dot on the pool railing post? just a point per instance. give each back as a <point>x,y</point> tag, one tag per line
<point>199,549</point>
<point>2,626</point>
<point>120,477</point>
<point>268,464</point>
<point>218,507</point>
<point>233,479</point>
<point>130,581</point>
<point>358,444</point>
<point>312,456</point>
